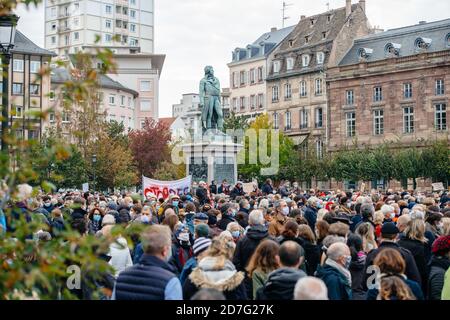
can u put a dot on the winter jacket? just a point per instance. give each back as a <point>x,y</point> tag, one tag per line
<point>337,284</point>
<point>259,278</point>
<point>120,255</point>
<point>57,226</point>
<point>190,265</point>
<point>209,274</point>
<point>280,284</point>
<point>438,267</point>
<point>311,216</point>
<point>372,294</point>
<point>276,226</point>
<point>223,223</point>
<point>180,255</point>
<point>418,250</point>
<point>267,189</point>
<point>213,188</point>
<point>78,213</point>
<point>245,249</point>
<point>202,195</point>
<point>236,192</point>
<point>357,271</point>
<point>151,279</point>
<point>312,256</point>
<point>411,272</point>
<point>446,289</point>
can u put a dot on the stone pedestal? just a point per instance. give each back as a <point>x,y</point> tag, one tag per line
<point>212,156</point>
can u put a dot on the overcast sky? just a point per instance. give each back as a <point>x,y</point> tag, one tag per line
<point>195,33</point>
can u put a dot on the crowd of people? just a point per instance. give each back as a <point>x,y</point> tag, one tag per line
<point>274,243</point>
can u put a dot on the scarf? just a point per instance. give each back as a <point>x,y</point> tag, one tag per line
<point>341,269</point>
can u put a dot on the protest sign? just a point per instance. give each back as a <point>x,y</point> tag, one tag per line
<point>85,187</point>
<point>248,187</point>
<point>164,189</point>
<point>438,186</point>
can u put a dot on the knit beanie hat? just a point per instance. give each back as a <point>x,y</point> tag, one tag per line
<point>200,245</point>
<point>202,230</point>
<point>441,245</point>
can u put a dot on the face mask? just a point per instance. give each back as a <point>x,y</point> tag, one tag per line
<point>348,261</point>
<point>97,217</point>
<point>145,219</point>
<point>392,215</point>
<point>235,234</point>
<point>285,211</point>
<point>319,205</point>
<point>47,204</point>
<point>233,213</point>
<point>175,203</point>
<point>349,205</point>
<point>184,236</point>
<point>247,206</point>
<point>152,202</point>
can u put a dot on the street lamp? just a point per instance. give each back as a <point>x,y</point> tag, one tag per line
<point>94,161</point>
<point>8,25</point>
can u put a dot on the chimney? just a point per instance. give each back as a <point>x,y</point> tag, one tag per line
<point>362,3</point>
<point>273,29</point>
<point>348,8</point>
<point>302,17</point>
<point>422,22</point>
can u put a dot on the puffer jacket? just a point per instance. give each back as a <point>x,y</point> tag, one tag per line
<point>438,267</point>
<point>120,255</point>
<point>280,284</point>
<point>216,273</point>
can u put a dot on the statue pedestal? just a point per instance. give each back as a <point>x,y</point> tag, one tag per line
<point>212,156</point>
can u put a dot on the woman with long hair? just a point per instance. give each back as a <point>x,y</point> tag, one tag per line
<point>312,251</point>
<point>393,288</point>
<point>367,232</point>
<point>390,263</point>
<point>263,262</point>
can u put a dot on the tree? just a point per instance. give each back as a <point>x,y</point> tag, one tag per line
<point>436,156</point>
<point>150,146</point>
<point>235,122</point>
<point>408,163</point>
<point>168,171</point>
<point>116,131</point>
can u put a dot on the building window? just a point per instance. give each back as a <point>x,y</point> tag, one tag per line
<point>19,134</point>
<point>112,100</point>
<point>108,24</point>
<point>407,90</point>
<point>303,91</point>
<point>408,120</point>
<point>318,85</point>
<point>53,12</point>
<point>287,121</point>
<point>440,87</point>
<point>287,91</point>
<point>377,94</point>
<point>76,22</point>
<point>242,103</point>
<point>122,101</point>
<point>303,119</point>
<point>447,40</point>
<point>18,112</point>
<point>134,42</point>
<point>133,14</point>
<point>145,85</point>
<point>260,74</point>
<point>35,66</point>
<point>34,89</point>
<point>305,60</point>
<point>252,76</point>
<point>306,39</point>
<point>18,65</point>
<point>76,35</point>
<point>319,149</point>
<point>146,105</point>
<point>349,97</point>
<point>276,66</point>
<point>378,122</point>
<point>275,121</point>
<point>275,93</point>
<point>235,104</point>
<point>252,101</point>
<point>319,117</point>
<point>132,27</point>
<point>320,57</point>
<point>350,118</point>
<point>17,88</point>
<point>129,102</point>
<point>440,117</point>
<point>51,95</point>
<point>290,63</point>
<point>53,40</point>
<point>108,9</point>
<point>33,134</point>
<point>242,78</point>
<point>324,35</point>
<point>260,102</point>
<point>108,37</point>
<point>51,117</point>
<point>65,117</point>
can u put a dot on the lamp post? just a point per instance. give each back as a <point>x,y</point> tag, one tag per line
<point>94,161</point>
<point>8,25</point>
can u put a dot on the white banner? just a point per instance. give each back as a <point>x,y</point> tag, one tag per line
<point>85,187</point>
<point>163,189</point>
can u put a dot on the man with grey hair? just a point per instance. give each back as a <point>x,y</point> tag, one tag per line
<point>247,245</point>
<point>310,288</point>
<point>335,273</point>
<point>367,212</point>
<point>152,278</point>
<point>311,212</point>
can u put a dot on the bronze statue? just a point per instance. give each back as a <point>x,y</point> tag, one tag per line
<point>212,115</point>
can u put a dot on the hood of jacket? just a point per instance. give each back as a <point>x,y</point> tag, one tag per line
<point>258,232</point>
<point>210,274</point>
<point>281,282</point>
<point>440,262</point>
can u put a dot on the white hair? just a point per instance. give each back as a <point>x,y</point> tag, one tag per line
<point>321,213</point>
<point>310,288</point>
<point>264,203</point>
<point>417,214</point>
<point>256,217</point>
<point>312,200</point>
<point>337,250</point>
<point>24,191</point>
<point>387,209</point>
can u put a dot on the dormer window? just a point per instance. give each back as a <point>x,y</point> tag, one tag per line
<point>312,22</point>
<point>422,43</point>
<point>305,60</point>
<point>447,40</point>
<point>320,57</point>
<point>364,53</point>
<point>324,35</point>
<point>289,63</point>
<point>392,49</point>
<point>291,43</point>
<point>329,18</point>
<point>276,66</point>
<point>307,39</point>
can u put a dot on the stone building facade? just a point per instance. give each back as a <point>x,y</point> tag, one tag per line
<point>296,82</point>
<point>392,87</point>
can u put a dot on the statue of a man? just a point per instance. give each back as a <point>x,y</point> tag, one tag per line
<point>212,116</point>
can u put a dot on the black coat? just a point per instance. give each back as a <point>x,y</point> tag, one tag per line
<point>280,284</point>
<point>312,253</point>
<point>337,284</point>
<point>237,192</point>
<point>357,271</point>
<point>213,188</point>
<point>202,195</point>
<point>418,250</point>
<point>223,223</point>
<point>311,216</point>
<point>267,189</point>
<point>411,272</point>
<point>438,267</point>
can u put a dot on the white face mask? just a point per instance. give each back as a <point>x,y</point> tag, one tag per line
<point>285,211</point>
<point>392,215</point>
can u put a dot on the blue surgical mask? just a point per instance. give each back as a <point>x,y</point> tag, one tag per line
<point>145,219</point>
<point>285,211</point>
<point>175,203</point>
<point>233,213</point>
<point>236,234</point>
<point>97,217</point>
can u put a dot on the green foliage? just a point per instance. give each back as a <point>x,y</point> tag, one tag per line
<point>236,122</point>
